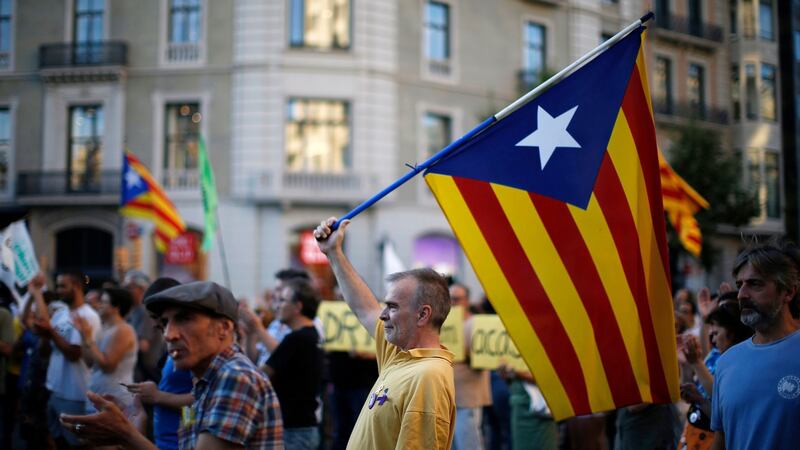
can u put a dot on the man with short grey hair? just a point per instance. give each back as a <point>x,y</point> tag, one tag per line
<point>412,404</point>
<point>151,344</point>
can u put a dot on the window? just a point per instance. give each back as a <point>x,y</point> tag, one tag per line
<point>5,33</point>
<point>5,146</point>
<point>182,134</point>
<point>763,172</point>
<point>535,54</point>
<point>750,91</point>
<point>765,20</point>
<point>768,97</point>
<point>772,185</point>
<point>320,24</point>
<point>317,136</point>
<point>185,18</point>
<point>662,13</point>
<point>748,19</point>
<point>736,87</point>
<point>696,90</point>
<point>695,17</point>
<point>662,86</point>
<point>796,35</point>
<point>86,125</point>
<point>87,30</point>
<point>438,132</point>
<point>733,11</point>
<point>437,37</point>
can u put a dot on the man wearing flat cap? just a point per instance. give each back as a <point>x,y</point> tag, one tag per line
<point>235,405</point>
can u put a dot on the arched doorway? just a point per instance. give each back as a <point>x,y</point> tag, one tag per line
<point>88,250</point>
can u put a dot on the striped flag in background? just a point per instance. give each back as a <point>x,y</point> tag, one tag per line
<point>558,208</point>
<point>681,203</point>
<point>143,198</point>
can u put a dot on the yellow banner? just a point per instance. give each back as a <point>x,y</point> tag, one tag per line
<point>490,344</point>
<point>343,331</point>
<point>452,335</point>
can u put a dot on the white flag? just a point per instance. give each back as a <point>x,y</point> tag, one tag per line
<point>17,239</point>
<point>391,261</point>
<point>18,263</point>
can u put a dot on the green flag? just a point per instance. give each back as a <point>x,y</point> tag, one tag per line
<point>209,190</point>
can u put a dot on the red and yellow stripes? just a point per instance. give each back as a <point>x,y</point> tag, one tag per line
<point>155,206</point>
<point>682,202</point>
<point>583,293</point>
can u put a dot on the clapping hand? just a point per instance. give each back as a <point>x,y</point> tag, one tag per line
<point>704,302</point>
<point>83,327</point>
<point>108,426</point>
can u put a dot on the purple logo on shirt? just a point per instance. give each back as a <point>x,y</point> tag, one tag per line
<point>380,399</point>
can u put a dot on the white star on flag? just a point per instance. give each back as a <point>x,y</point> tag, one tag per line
<point>551,134</point>
<point>132,180</point>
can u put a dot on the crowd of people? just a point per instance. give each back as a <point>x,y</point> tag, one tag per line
<point>148,364</point>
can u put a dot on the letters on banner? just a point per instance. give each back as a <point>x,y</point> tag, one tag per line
<point>490,343</point>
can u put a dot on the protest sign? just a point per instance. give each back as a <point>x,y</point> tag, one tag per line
<point>343,331</point>
<point>490,344</point>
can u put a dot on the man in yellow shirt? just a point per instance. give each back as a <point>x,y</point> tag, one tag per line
<point>412,404</point>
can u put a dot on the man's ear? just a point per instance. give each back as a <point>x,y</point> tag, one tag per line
<point>424,315</point>
<point>225,328</point>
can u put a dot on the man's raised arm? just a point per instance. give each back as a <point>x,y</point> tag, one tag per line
<point>355,291</point>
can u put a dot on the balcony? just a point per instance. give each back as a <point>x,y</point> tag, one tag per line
<point>181,180</point>
<point>183,52</point>
<point>550,2</point>
<point>306,187</point>
<point>685,111</point>
<point>92,61</point>
<point>63,188</point>
<point>688,30</point>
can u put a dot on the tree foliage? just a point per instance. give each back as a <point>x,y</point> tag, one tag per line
<point>715,173</point>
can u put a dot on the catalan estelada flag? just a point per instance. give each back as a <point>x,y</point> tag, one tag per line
<point>681,203</point>
<point>558,208</point>
<point>143,198</point>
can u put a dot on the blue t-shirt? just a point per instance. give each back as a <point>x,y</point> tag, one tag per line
<point>167,420</point>
<point>756,399</point>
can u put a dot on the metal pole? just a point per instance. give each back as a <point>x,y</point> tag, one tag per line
<point>221,241</point>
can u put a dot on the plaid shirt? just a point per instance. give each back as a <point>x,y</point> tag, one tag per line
<point>235,402</point>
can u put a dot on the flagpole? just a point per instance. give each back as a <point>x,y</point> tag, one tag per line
<point>491,120</point>
<point>224,258</point>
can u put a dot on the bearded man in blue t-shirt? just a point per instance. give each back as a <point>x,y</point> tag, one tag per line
<point>756,398</point>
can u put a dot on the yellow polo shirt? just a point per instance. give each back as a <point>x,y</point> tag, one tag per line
<point>412,404</point>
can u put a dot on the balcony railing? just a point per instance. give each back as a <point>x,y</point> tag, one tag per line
<point>62,183</point>
<point>528,79</point>
<point>102,53</point>
<point>181,179</point>
<point>182,52</point>
<point>685,110</point>
<point>273,185</point>
<point>690,26</point>
<point>440,67</point>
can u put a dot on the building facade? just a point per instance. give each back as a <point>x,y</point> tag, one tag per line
<point>309,107</point>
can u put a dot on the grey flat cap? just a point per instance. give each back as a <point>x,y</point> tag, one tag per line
<point>205,296</point>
